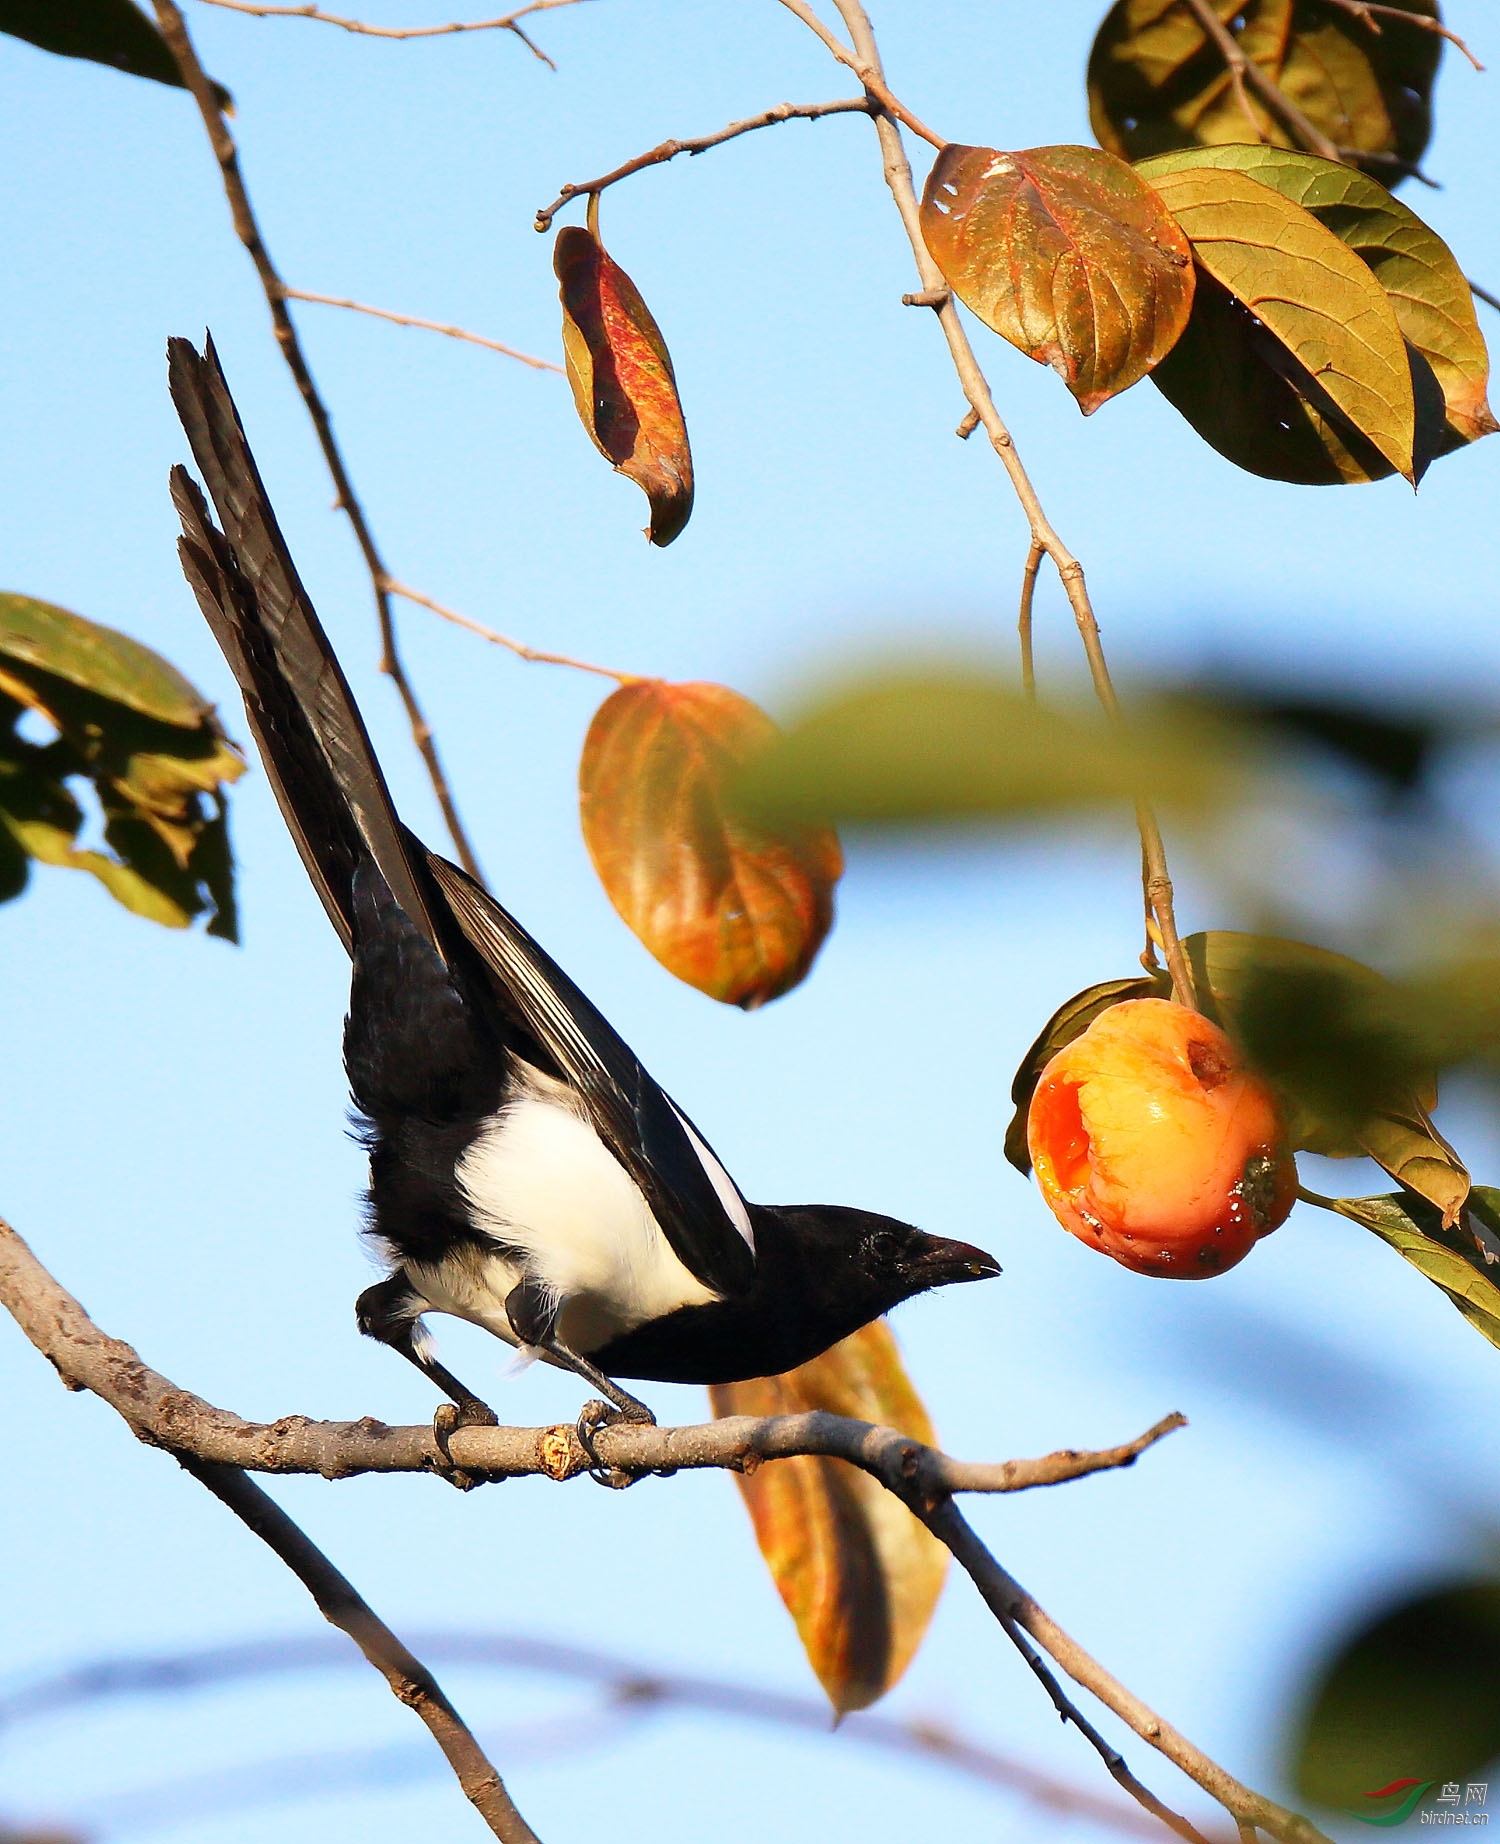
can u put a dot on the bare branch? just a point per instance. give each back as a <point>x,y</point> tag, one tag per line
<point>174,30</point>
<point>669,150</point>
<point>1483,294</point>
<point>923,1478</point>
<point>1009,1602</point>
<point>982,404</point>
<point>414,320</point>
<point>507,23</point>
<point>1023,624</point>
<point>493,635</point>
<point>341,1604</point>
<point>627,1683</point>
<point>1370,14</point>
<point>867,69</point>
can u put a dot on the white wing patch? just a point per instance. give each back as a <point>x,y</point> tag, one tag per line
<point>727,1190</point>
<point>540,1179</point>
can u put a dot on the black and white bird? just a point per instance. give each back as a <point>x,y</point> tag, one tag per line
<point>526,1173</point>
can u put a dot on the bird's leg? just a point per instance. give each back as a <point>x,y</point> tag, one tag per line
<point>380,1312</point>
<point>533,1317</point>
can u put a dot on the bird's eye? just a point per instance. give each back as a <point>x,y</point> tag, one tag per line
<point>883,1246</point>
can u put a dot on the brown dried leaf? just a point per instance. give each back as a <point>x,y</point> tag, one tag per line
<point>1157,83</point>
<point>1065,252</point>
<point>732,904</point>
<point>858,1573</point>
<point>622,380</point>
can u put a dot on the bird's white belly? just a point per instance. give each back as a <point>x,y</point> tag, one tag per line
<point>540,1180</point>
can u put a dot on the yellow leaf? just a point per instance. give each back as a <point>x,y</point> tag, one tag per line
<point>859,1575</point>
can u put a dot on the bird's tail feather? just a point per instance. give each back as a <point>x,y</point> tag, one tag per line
<point>302,714</point>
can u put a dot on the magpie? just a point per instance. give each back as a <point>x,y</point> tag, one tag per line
<point>526,1173</point>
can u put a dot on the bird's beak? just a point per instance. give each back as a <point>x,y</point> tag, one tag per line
<point>944,1262</point>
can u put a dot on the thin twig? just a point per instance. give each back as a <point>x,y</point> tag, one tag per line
<point>1009,1601</point>
<point>626,1682</point>
<point>1034,558</point>
<point>174,30</point>
<point>415,320</point>
<point>669,150</point>
<point>976,389</point>
<point>508,23</point>
<point>1483,294</point>
<point>1247,70</point>
<point>518,647</point>
<point>868,71</point>
<point>343,1606</point>
<point>1365,11</point>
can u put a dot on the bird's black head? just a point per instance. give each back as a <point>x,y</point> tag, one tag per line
<point>845,1267</point>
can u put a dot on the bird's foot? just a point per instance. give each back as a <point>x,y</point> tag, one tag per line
<point>594,1417</point>
<point>450,1417</point>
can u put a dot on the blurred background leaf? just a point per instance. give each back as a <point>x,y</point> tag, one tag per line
<point>113,32</point>
<point>1414,1693</point>
<point>150,747</point>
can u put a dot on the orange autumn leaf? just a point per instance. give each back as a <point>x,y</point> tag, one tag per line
<point>859,1575</point>
<point>621,374</point>
<point>1065,252</point>
<point>733,906</point>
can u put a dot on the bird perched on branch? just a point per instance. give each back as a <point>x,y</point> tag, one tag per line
<point>526,1173</point>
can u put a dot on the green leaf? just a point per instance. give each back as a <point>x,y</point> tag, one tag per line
<point>144,739</point>
<point>97,659</point>
<point>1445,1254</point>
<point>1302,285</point>
<point>1432,300</point>
<point>1071,1019</point>
<point>953,744</point>
<point>1412,1698</point>
<point>113,32</point>
<point>1064,252</point>
<point>1157,82</point>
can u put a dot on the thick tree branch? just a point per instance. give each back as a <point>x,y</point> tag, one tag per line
<point>174,30</point>
<point>669,150</point>
<point>341,1604</point>
<point>1158,882</point>
<point>215,1443</point>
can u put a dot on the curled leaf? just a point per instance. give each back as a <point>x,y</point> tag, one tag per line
<point>622,379</point>
<point>1313,315</point>
<point>1067,254</point>
<point>859,1575</point>
<point>1158,82</point>
<point>734,905</point>
<point>1428,292</point>
<point>1445,1253</point>
<point>150,745</point>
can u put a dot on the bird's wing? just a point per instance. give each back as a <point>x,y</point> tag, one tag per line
<point>311,737</point>
<point>692,1197</point>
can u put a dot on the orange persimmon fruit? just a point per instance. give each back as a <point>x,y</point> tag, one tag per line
<point>1152,1141</point>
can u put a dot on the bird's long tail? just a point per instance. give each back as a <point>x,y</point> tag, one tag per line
<point>301,712</point>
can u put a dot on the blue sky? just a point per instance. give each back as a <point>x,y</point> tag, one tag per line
<point>174,1110</point>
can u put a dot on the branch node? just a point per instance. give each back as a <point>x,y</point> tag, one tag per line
<point>928,297</point>
<point>969,424</point>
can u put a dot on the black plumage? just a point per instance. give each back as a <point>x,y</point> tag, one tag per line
<point>525,1170</point>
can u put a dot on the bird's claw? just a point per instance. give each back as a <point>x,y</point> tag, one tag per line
<point>593,1418</point>
<point>446,1422</point>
